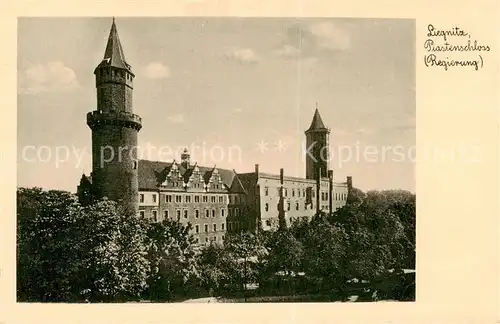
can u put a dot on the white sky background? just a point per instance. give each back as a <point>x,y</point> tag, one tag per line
<point>222,83</point>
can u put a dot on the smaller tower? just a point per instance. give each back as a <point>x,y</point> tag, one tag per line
<point>185,159</point>
<point>317,150</point>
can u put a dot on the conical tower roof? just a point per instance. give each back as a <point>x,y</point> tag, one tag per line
<point>317,122</point>
<point>113,55</point>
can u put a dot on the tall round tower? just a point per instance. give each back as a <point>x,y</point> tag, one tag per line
<point>317,150</point>
<point>114,128</point>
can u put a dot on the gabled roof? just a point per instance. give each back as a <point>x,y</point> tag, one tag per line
<point>248,181</point>
<point>237,185</point>
<point>189,172</point>
<point>113,55</point>
<point>208,174</point>
<point>317,122</point>
<point>153,173</point>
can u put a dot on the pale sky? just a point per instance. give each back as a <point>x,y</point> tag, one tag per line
<point>225,85</point>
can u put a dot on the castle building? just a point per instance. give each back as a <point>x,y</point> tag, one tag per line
<point>213,200</point>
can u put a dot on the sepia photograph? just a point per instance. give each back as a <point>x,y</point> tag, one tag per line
<point>216,160</point>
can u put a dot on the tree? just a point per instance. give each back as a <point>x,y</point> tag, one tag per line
<point>172,263</point>
<point>325,252</point>
<point>112,252</point>
<point>284,259</point>
<point>391,214</point>
<point>285,253</point>
<point>381,231</point>
<point>46,229</point>
<point>355,196</point>
<point>67,252</point>
<point>217,268</point>
<point>248,250</point>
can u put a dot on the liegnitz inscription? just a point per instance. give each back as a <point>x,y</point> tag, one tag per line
<point>450,48</point>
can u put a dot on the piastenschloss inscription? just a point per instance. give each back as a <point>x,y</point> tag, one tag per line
<point>453,48</point>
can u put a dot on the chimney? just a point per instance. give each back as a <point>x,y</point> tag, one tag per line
<point>281,204</point>
<point>257,170</point>
<point>330,190</point>
<point>318,190</point>
<point>349,182</point>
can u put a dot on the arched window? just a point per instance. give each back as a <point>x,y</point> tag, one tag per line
<point>267,207</point>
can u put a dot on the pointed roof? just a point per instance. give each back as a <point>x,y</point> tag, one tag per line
<point>188,173</point>
<point>153,173</point>
<point>317,122</point>
<point>113,55</point>
<point>237,185</point>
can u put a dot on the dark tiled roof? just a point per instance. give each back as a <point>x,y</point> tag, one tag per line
<point>248,181</point>
<point>151,173</point>
<point>187,174</point>
<point>237,186</point>
<point>208,174</point>
<point>113,55</point>
<point>317,122</point>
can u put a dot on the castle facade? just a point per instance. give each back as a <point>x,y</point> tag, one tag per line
<point>213,200</point>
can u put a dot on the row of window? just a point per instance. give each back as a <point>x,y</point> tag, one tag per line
<point>113,72</point>
<point>234,226</point>
<point>288,207</point>
<point>222,199</point>
<point>193,185</point>
<point>185,214</point>
<point>297,206</point>
<point>235,199</point>
<point>269,223</point>
<point>341,196</point>
<point>302,192</point>
<point>207,240</point>
<point>285,192</point>
<point>187,198</point>
<point>206,227</point>
<point>235,212</point>
<point>208,212</point>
